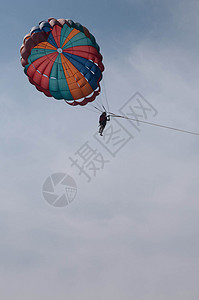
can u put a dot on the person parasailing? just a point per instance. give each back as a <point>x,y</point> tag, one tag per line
<point>102,122</point>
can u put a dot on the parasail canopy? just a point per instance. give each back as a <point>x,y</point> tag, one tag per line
<point>62,59</point>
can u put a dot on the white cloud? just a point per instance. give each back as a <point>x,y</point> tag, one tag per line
<point>132,231</point>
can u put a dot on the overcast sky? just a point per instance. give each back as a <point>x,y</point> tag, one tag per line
<point>132,231</point>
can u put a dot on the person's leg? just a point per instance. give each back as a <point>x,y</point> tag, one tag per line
<point>102,129</point>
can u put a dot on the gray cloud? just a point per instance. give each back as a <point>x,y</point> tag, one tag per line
<point>131,232</point>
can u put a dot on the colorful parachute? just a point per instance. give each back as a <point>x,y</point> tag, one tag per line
<point>62,59</point>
